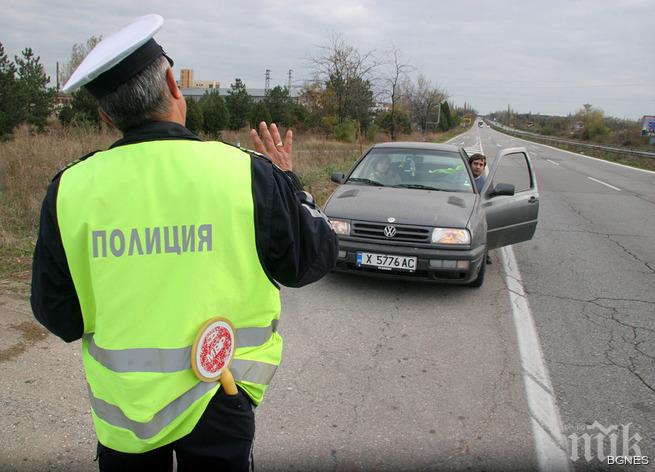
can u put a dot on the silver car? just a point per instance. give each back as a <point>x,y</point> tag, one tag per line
<point>412,210</point>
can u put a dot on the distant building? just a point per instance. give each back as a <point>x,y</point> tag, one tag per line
<point>60,101</point>
<point>186,78</point>
<point>207,84</point>
<point>187,81</point>
<point>379,107</point>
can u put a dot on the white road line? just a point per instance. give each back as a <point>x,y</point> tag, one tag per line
<point>552,162</point>
<point>455,137</point>
<point>550,443</point>
<point>604,183</point>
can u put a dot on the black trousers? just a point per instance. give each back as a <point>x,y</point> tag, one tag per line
<point>221,441</point>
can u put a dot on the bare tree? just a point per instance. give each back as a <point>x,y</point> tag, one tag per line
<point>398,71</point>
<point>425,100</point>
<point>347,76</point>
<point>78,53</point>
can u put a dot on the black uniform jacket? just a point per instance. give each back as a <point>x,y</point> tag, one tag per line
<point>295,243</point>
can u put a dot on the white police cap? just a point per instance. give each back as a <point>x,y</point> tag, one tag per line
<point>118,57</point>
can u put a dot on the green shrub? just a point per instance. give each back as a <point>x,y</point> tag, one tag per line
<point>194,118</point>
<point>66,115</point>
<point>258,113</point>
<point>372,132</point>
<point>216,116</point>
<point>346,131</point>
<point>403,123</point>
<point>328,124</point>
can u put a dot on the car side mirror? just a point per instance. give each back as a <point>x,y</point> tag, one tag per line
<point>503,189</point>
<point>338,177</point>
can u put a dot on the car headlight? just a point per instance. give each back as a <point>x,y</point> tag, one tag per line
<point>451,236</point>
<point>340,226</point>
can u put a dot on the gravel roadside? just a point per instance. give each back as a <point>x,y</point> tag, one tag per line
<point>45,423</point>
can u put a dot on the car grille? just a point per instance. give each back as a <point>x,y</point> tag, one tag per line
<point>362,229</point>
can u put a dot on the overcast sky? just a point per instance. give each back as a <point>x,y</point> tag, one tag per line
<point>542,57</point>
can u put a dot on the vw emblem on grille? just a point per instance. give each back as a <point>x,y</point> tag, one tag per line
<point>389,231</point>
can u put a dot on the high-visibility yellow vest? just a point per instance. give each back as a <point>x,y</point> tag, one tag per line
<point>160,237</point>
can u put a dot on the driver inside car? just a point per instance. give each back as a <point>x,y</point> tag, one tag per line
<point>383,172</point>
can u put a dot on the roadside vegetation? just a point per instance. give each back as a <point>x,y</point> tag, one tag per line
<point>355,99</point>
<point>30,160</point>
<point>632,161</point>
<point>353,96</point>
<point>588,125</point>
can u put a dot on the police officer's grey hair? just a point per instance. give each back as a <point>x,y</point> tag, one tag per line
<point>144,97</point>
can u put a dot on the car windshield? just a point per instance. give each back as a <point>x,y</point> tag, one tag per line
<point>420,169</point>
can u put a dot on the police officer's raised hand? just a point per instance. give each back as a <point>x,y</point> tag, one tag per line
<point>271,145</point>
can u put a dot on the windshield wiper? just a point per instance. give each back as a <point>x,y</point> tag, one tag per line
<point>419,186</point>
<point>366,181</point>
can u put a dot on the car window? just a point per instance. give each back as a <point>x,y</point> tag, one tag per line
<point>513,169</point>
<point>414,168</point>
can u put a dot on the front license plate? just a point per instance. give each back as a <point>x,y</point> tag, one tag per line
<point>386,261</point>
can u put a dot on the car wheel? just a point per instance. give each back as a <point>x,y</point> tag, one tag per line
<point>480,278</point>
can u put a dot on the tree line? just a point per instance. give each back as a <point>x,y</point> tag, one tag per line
<point>588,123</point>
<point>352,95</point>
<point>24,93</point>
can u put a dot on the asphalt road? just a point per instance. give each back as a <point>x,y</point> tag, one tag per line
<point>589,275</point>
<point>387,375</point>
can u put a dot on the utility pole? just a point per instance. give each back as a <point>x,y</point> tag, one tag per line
<point>267,83</point>
<point>57,76</point>
<point>289,86</point>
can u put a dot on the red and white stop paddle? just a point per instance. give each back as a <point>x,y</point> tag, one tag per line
<point>212,353</point>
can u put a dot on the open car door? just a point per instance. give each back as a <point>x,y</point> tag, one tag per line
<point>510,199</point>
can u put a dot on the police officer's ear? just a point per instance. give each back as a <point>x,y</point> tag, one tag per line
<point>172,84</point>
<point>178,109</point>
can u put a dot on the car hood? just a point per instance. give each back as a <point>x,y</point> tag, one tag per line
<point>407,206</point>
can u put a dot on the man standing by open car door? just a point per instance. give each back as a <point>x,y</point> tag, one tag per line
<point>141,244</point>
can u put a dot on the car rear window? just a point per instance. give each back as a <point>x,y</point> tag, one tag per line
<point>442,170</point>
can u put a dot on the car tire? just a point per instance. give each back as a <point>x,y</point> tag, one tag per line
<point>479,280</point>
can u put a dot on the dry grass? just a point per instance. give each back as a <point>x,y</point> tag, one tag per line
<point>27,164</point>
<point>29,161</point>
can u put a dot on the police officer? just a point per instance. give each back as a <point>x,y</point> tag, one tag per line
<point>139,245</point>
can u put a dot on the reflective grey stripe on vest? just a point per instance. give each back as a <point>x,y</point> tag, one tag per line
<point>115,416</point>
<point>248,337</point>
<point>167,360</point>
<point>252,371</point>
<point>140,359</point>
<point>249,371</point>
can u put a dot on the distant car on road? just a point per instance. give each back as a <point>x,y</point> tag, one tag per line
<point>410,210</point>
<point>480,124</point>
